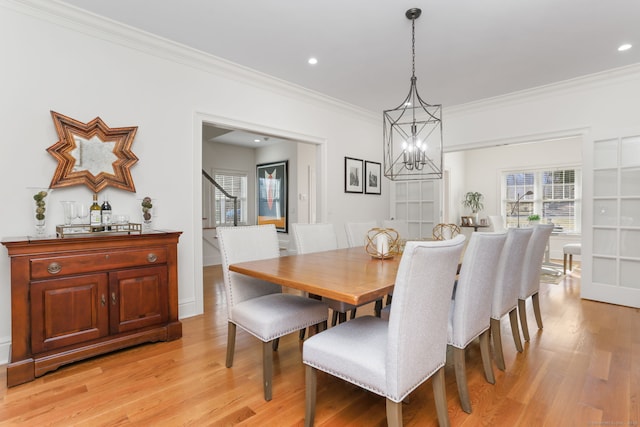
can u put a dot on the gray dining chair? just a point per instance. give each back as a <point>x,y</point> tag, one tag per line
<point>530,285</point>
<point>392,358</point>
<point>471,307</point>
<point>257,306</point>
<point>505,292</point>
<point>311,238</point>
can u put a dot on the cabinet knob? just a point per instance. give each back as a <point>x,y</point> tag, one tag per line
<point>103,300</point>
<point>54,268</point>
<point>152,257</point>
<point>113,298</point>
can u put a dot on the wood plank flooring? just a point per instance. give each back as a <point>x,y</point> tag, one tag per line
<point>582,369</point>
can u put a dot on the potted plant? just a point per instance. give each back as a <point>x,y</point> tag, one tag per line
<point>473,201</point>
<point>534,219</point>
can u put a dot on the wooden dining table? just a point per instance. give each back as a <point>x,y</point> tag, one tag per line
<point>350,275</point>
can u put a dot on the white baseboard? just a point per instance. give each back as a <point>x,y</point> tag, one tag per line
<point>5,349</point>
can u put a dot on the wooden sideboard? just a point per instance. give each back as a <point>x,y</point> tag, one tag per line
<point>78,297</point>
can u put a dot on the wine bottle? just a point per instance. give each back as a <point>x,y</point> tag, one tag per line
<point>106,214</point>
<point>95,217</point>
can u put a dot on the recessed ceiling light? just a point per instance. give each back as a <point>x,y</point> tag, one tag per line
<point>256,140</point>
<point>624,47</point>
<point>313,61</point>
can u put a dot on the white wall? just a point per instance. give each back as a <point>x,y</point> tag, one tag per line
<point>84,67</point>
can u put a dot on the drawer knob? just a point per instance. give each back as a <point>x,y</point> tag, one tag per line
<point>54,268</point>
<point>152,257</point>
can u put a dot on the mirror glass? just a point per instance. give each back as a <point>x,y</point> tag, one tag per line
<point>92,154</point>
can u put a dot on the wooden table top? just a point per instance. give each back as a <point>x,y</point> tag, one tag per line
<point>349,275</point>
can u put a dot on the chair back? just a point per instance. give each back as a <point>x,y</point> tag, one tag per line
<point>471,308</point>
<point>533,260</point>
<point>497,223</point>
<point>314,237</point>
<point>357,232</point>
<point>240,244</point>
<point>445,231</point>
<point>417,334</point>
<point>400,225</point>
<point>509,275</point>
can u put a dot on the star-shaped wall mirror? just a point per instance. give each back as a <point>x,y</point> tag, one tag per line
<point>92,154</point>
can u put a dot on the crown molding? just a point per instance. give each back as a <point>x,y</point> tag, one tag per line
<point>589,81</point>
<point>106,29</point>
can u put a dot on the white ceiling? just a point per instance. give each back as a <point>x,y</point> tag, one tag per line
<point>465,49</point>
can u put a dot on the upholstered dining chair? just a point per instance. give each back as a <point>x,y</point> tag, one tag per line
<point>497,223</point>
<point>257,306</point>
<point>445,231</point>
<point>530,284</point>
<point>471,307</point>
<point>311,238</point>
<point>357,232</point>
<point>387,357</point>
<point>505,292</point>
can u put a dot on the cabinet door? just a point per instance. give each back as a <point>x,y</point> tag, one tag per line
<point>68,311</point>
<point>138,298</point>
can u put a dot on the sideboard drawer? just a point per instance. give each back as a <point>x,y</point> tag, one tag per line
<point>63,265</point>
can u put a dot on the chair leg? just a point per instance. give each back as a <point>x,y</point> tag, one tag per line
<point>515,329</point>
<point>267,368</point>
<point>497,343</point>
<point>342,317</point>
<point>377,308</point>
<point>231,343</point>
<point>535,299</point>
<point>394,413</point>
<point>334,318</point>
<point>486,357</point>
<point>302,333</point>
<point>461,378</point>
<point>570,262</point>
<point>311,381</point>
<point>440,396</point>
<point>522,312</point>
<point>564,264</point>
<point>275,343</point>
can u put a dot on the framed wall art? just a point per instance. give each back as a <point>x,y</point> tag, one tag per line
<point>372,178</point>
<point>273,194</point>
<point>353,175</point>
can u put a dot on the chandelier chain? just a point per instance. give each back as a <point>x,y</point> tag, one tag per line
<point>413,47</point>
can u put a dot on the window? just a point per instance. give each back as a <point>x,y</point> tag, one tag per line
<point>555,197</point>
<point>236,185</point>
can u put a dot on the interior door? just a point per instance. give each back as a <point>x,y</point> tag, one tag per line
<point>611,237</point>
<point>417,202</point>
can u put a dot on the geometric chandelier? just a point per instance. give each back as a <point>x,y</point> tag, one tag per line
<point>413,131</point>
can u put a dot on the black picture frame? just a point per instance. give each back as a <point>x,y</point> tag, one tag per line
<point>353,174</point>
<point>372,177</point>
<point>273,194</point>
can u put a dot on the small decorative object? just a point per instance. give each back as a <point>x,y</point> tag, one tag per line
<point>40,210</point>
<point>147,207</point>
<point>534,219</point>
<point>383,243</point>
<point>473,201</point>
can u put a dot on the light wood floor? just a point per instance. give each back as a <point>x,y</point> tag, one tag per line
<point>583,369</point>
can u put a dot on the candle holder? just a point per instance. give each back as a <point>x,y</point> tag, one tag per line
<point>382,243</point>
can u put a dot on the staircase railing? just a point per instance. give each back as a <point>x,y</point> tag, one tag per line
<point>227,195</point>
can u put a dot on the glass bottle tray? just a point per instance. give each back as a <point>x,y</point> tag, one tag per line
<point>85,229</point>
